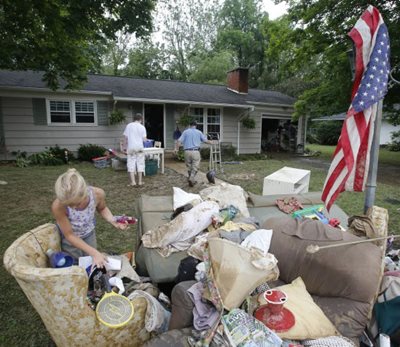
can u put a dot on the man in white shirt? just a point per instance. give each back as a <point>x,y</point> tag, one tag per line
<point>135,133</point>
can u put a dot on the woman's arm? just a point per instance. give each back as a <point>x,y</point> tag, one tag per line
<point>59,213</point>
<point>104,210</point>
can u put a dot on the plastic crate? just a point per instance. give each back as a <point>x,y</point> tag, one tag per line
<point>148,143</point>
<point>101,162</point>
<point>151,167</point>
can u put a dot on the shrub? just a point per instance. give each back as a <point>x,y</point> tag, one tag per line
<point>394,146</point>
<point>45,158</point>
<point>61,153</point>
<point>205,152</point>
<point>328,132</point>
<point>21,159</point>
<point>89,151</point>
<point>228,153</point>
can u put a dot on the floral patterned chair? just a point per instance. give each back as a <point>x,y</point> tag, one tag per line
<point>59,295</point>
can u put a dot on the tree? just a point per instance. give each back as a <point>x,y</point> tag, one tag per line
<point>240,32</point>
<point>65,38</point>
<point>321,35</point>
<point>147,60</point>
<point>189,33</point>
<point>213,68</point>
<point>114,59</point>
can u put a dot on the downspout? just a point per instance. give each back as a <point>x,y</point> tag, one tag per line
<point>244,114</point>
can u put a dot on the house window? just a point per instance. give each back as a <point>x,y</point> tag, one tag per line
<point>60,112</point>
<point>213,120</point>
<point>208,120</point>
<point>197,114</point>
<point>72,112</point>
<point>84,112</point>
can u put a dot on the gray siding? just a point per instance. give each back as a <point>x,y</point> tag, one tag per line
<point>22,134</point>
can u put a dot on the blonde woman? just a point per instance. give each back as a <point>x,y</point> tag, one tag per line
<point>74,210</point>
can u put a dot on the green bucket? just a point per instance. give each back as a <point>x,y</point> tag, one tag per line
<point>151,167</point>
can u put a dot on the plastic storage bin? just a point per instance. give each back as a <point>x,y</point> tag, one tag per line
<point>151,167</point>
<point>101,162</point>
<point>148,143</point>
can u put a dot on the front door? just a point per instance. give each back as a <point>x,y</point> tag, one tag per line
<point>154,122</point>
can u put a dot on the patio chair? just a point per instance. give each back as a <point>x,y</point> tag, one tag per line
<point>59,295</point>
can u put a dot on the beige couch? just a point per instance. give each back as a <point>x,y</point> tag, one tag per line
<point>59,295</point>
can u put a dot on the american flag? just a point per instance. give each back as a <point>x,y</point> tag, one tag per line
<point>350,163</point>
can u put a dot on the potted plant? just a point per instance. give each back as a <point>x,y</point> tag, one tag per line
<point>248,122</point>
<point>116,117</point>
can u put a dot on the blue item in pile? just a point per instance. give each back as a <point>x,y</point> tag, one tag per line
<point>148,143</point>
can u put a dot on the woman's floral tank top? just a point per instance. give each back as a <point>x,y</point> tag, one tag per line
<point>83,221</point>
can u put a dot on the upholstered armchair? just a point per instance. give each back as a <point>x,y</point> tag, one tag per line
<point>59,295</point>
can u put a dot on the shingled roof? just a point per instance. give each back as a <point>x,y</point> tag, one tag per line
<point>150,89</point>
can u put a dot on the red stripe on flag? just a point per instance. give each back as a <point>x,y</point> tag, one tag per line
<point>362,154</point>
<point>358,42</point>
<point>372,19</point>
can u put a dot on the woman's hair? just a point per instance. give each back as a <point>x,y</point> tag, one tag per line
<point>70,187</point>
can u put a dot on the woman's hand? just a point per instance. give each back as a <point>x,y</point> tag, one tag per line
<point>99,260</point>
<point>121,226</point>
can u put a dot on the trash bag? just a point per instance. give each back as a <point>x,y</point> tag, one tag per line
<point>211,176</point>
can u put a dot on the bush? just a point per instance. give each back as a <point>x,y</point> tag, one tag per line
<point>394,146</point>
<point>328,132</point>
<point>61,153</point>
<point>88,152</point>
<point>45,158</point>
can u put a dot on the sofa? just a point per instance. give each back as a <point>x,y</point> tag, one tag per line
<point>342,281</point>
<point>59,295</point>
<point>153,211</point>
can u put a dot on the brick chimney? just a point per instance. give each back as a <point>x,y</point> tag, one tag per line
<point>238,80</point>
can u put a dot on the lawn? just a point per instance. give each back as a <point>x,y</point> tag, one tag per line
<point>27,196</point>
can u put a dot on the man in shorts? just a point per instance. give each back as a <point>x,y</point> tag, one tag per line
<point>135,134</point>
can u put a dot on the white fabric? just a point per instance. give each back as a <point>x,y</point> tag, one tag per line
<point>135,133</point>
<point>177,234</point>
<point>226,194</point>
<point>182,198</point>
<point>260,239</point>
<point>136,162</point>
<point>157,318</point>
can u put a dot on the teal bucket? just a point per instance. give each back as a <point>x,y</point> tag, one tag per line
<point>151,167</point>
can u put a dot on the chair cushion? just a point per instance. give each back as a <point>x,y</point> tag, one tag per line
<point>310,320</point>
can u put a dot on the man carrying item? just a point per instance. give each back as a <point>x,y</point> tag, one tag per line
<point>191,140</point>
<point>135,134</point>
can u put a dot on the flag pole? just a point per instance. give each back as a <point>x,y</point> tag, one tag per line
<point>370,189</point>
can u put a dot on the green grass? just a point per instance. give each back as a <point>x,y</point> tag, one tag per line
<point>26,199</point>
<point>25,204</point>
<point>385,156</point>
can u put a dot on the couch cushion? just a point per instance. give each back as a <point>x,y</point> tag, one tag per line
<point>160,269</point>
<point>351,272</point>
<point>310,320</point>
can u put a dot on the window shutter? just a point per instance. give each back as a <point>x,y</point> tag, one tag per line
<point>39,111</point>
<point>102,112</point>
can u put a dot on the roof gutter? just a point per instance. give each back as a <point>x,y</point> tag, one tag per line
<point>270,104</point>
<point>48,90</point>
<point>185,102</point>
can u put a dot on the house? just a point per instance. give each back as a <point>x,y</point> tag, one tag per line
<point>33,117</point>
<point>386,127</point>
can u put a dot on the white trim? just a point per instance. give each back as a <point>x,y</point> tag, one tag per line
<point>235,91</point>
<point>72,112</point>
<point>162,101</point>
<point>270,104</point>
